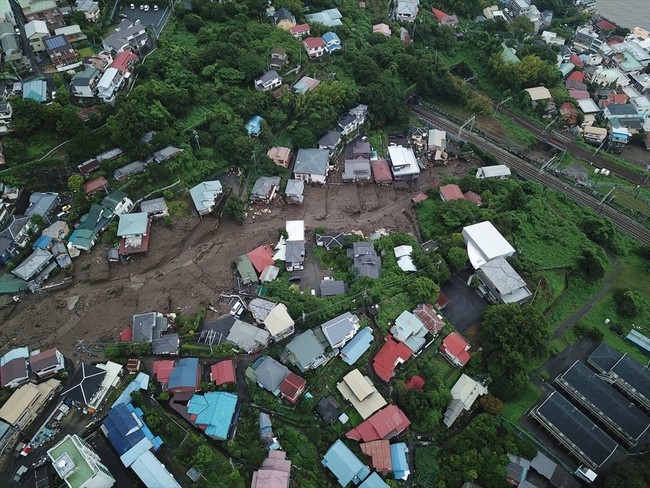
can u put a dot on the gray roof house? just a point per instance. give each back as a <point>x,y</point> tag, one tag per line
<point>295,252</point>
<point>148,326</point>
<point>166,153</point>
<point>311,165</point>
<point>156,207</point>
<point>35,263</point>
<point>348,123</point>
<point>268,81</point>
<point>42,204</point>
<point>331,240</point>
<point>260,309</point>
<point>341,329</point>
<point>357,170</point>
<point>306,351</point>
<point>126,34</point>
<point>166,344</point>
<point>130,169</point>
<point>205,196</point>
<point>330,140</point>
<point>270,374</point>
<point>503,283</point>
<point>18,230</point>
<point>248,337</point>
<point>264,189</point>
<point>330,288</point>
<point>83,83</point>
<point>294,191</point>
<point>366,261</point>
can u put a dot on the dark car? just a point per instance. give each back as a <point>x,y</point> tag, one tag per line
<point>294,279</point>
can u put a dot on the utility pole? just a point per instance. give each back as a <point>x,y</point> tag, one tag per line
<point>469,122</point>
<point>498,105</point>
<point>196,138</point>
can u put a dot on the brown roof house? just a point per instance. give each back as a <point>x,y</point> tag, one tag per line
<point>46,363</point>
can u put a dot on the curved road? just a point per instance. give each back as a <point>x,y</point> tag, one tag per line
<point>526,170</point>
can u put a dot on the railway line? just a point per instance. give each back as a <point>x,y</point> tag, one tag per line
<point>634,229</point>
<point>564,141</point>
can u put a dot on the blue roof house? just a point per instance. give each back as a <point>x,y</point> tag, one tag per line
<point>185,376</point>
<point>359,344</point>
<point>254,126</point>
<point>213,413</point>
<point>332,42</point>
<point>374,481</point>
<point>42,242</point>
<point>344,465</point>
<point>399,460</point>
<point>35,90</point>
<point>410,330</point>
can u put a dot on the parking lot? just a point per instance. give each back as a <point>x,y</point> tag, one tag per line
<point>152,19</point>
<point>465,306</point>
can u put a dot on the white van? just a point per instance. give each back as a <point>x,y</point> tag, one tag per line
<point>237,309</point>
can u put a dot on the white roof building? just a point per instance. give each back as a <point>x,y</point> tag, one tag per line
<point>404,259</point>
<point>295,230</point>
<point>496,171</point>
<point>403,163</point>
<point>464,393</point>
<point>539,93</point>
<point>485,243</point>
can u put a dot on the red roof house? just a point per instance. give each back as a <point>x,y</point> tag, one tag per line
<point>299,30</point>
<point>126,335</point>
<point>385,424</point>
<point>420,197</point>
<point>415,383</point>
<point>577,62</point>
<point>475,198</point>
<point>162,369</point>
<point>315,46</point>
<point>390,355</point>
<point>603,25</point>
<point>292,387</point>
<point>576,76</point>
<point>261,257</point>
<point>429,317</point>
<point>568,113</point>
<point>444,18</point>
<point>93,186</point>
<point>223,373</point>
<point>442,301</point>
<point>124,60</point>
<point>451,192</point>
<point>455,348</point>
<point>379,452</point>
<point>579,94</point>
<point>381,172</point>
<point>617,98</point>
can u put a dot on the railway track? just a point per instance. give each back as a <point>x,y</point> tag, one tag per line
<point>564,141</point>
<point>634,229</point>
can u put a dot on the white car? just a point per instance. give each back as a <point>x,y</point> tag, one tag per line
<point>133,6</point>
<point>155,7</point>
<point>141,7</point>
<point>146,8</point>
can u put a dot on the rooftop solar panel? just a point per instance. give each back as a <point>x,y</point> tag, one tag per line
<point>55,42</point>
<point>604,401</point>
<point>604,357</point>
<point>634,374</point>
<point>574,429</point>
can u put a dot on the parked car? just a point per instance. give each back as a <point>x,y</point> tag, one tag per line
<point>20,473</point>
<point>155,7</point>
<point>133,6</point>
<point>237,309</point>
<point>146,8</point>
<point>294,279</point>
<point>122,16</point>
<point>141,7</point>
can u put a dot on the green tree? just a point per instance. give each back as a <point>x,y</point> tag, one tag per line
<point>512,336</point>
<point>457,257</point>
<point>629,303</point>
<point>521,27</point>
<point>592,264</point>
<point>423,290</point>
<point>14,150</point>
<point>234,209</point>
<point>193,22</point>
<point>70,122</point>
<point>75,182</point>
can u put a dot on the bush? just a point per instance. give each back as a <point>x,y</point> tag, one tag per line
<point>589,331</point>
<point>234,209</point>
<point>628,303</point>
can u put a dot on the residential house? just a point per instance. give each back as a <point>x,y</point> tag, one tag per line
<point>361,393</point>
<point>451,192</point>
<point>46,363</point>
<point>100,61</point>
<point>109,84</point>
<point>332,42</point>
<point>340,330</point>
<point>464,393</point>
<point>365,259</point>
<point>166,153</point>
<point>357,346</point>
<point>429,317</point>
<point>294,191</point>
<point>118,202</point>
<point>185,376</point>
<point>331,240</point>
<point>25,404</point>
<point>284,19</point>
<point>18,230</point>
<point>13,368</point>
<point>503,284</point>
<point>269,374</point>
<point>445,19</point>
<point>292,387</point>
<point>305,351</point>
<point>295,245</point>
<point>223,372</point>
<point>344,465</point>
<point>265,189</point>
<point>61,53</point>
<point>357,170</point>
<point>403,163</point>
<point>11,50</point>
<point>35,267</point>
<point>304,85</point>
<point>35,32</point>
<point>6,113</point>
<point>399,461</point>
<point>45,10</point>
<point>278,322</point>
<point>43,205</point>
<point>330,140</point>
<point>205,196</point>
<point>485,243</point>
<point>454,348</point>
<point>386,424</point>
<point>568,114</point>
<point>329,18</point>
<point>381,172</point>
<point>437,144</point>
<point>382,29</point>
<point>315,47</point>
<point>361,150</point>
<point>348,123</point>
<point>213,413</point>
<point>78,465</point>
<point>148,326</point>
<point>300,31</point>
<point>89,8</point>
<point>71,32</point>
<point>278,58</point>
<point>127,35</point>
<point>268,81</point>
<point>328,409</point>
<point>500,171</point>
<point>389,356</point>
<point>8,249</point>
<point>93,186</point>
<point>275,471</point>
<point>406,10</point>
<point>85,384</point>
<point>280,156</point>
<point>254,126</point>
<point>155,208</point>
<point>248,337</point>
<point>403,254</point>
<point>595,135</point>
<point>246,270</point>
<point>84,83</point>
<point>35,90</point>
<point>586,40</point>
<point>331,288</point>
<point>311,165</point>
<point>409,330</point>
<point>91,225</point>
<point>58,230</point>
<point>7,13</point>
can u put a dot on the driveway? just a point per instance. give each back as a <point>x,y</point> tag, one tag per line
<point>465,306</point>
<point>312,275</point>
<point>123,476</point>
